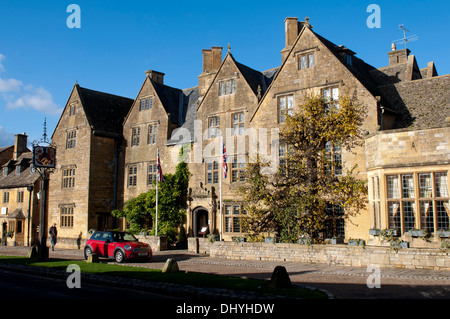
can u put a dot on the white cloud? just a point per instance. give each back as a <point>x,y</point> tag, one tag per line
<point>38,99</point>
<point>10,85</point>
<point>17,95</point>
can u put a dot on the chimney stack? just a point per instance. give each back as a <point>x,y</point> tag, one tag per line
<point>20,145</point>
<point>155,76</point>
<point>212,59</point>
<point>292,28</point>
<point>398,56</point>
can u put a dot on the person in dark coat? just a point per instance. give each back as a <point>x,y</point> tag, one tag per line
<point>53,234</point>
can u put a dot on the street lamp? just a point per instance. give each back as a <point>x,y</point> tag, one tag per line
<point>44,160</point>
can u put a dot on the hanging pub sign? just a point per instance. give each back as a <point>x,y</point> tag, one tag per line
<point>44,156</point>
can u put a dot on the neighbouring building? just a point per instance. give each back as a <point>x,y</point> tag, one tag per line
<point>19,195</point>
<point>107,145</point>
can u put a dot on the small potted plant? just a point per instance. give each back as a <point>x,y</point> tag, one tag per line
<point>337,240</point>
<point>356,242</point>
<point>443,233</point>
<point>414,232</point>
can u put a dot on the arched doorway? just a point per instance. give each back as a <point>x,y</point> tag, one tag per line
<point>200,220</point>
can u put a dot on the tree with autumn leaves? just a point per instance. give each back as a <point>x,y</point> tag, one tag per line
<point>311,178</point>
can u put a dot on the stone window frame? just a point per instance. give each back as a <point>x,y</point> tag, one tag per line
<point>146,103</point>
<point>5,197</point>
<point>333,156</point>
<point>331,100</point>
<point>232,217</point>
<point>132,175</point>
<point>288,108</point>
<point>214,126</point>
<point>152,174</point>
<point>66,215</point>
<point>238,123</point>
<point>73,108</point>
<point>71,138</point>
<point>135,135</point>
<point>237,172</point>
<point>309,56</point>
<point>20,196</point>
<point>413,192</point>
<point>152,133</point>
<point>227,87</point>
<point>212,171</point>
<point>68,177</point>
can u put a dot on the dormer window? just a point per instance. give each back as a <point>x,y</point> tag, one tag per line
<point>349,59</point>
<point>5,171</point>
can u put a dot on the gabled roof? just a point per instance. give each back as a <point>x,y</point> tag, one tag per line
<point>104,112</point>
<point>171,99</point>
<point>26,176</point>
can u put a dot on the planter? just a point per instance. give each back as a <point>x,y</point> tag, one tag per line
<point>271,240</point>
<point>239,239</point>
<point>390,232</point>
<point>417,233</point>
<point>356,242</point>
<point>335,241</point>
<point>305,241</point>
<point>374,232</point>
<point>443,233</point>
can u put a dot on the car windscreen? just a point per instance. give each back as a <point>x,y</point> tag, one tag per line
<point>118,237</point>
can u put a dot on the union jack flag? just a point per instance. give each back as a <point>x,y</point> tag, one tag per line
<point>225,166</point>
<point>160,173</point>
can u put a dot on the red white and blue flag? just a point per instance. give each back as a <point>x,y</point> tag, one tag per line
<point>225,166</point>
<point>160,173</point>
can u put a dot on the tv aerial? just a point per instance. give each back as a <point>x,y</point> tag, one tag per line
<point>405,39</point>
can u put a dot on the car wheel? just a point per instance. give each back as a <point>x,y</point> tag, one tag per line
<point>119,256</point>
<point>87,252</point>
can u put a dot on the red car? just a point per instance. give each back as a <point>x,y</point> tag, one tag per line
<point>118,245</point>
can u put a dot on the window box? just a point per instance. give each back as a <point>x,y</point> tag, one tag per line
<point>356,242</point>
<point>335,241</point>
<point>305,241</point>
<point>374,232</point>
<point>443,233</point>
<point>417,233</point>
<point>272,240</point>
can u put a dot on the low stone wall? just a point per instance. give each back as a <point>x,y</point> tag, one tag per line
<point>341,255</point>
<point>157,243</point>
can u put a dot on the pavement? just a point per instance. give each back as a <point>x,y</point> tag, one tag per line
<point>340,282</point>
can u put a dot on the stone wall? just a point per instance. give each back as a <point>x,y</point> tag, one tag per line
<point>341,255</point>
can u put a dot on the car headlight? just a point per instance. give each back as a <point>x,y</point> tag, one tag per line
<point>127,247</point>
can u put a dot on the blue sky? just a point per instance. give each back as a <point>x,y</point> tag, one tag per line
<point>41,58</point>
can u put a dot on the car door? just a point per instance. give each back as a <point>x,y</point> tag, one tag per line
<point>112,245</point>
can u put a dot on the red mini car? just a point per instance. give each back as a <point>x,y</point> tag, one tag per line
<point>118,245</point>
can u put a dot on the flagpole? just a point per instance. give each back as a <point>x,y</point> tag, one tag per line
<point>157,182</point>
<point>220,188</point>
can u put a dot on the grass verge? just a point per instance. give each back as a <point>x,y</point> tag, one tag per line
<point>189,278</point>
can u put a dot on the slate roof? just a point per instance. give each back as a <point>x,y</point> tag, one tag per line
<point>172,101</point>
<point>105,112</point>
<point>416,101</point>
<point>26,176</point>
<point>188,115</point>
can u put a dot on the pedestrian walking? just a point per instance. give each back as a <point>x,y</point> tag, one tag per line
<point>53,234</point>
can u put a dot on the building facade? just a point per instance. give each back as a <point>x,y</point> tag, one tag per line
<point>19,195</point>
<point>107,145</point>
